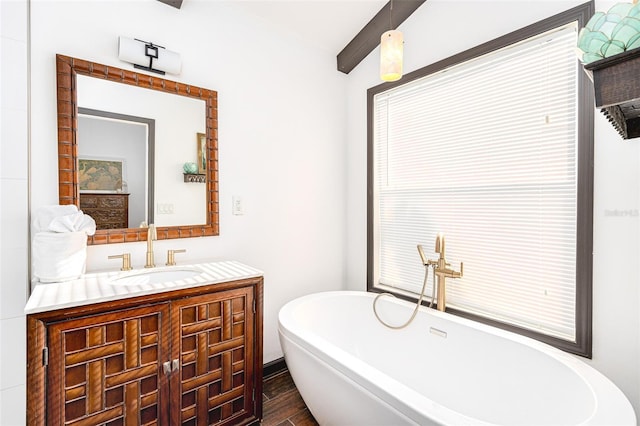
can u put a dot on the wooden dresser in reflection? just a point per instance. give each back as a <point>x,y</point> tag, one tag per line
<point>110,211</point>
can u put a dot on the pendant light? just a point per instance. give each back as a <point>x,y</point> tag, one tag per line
<point>391,52</point>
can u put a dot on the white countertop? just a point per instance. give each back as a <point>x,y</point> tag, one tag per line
<point>99,287</point>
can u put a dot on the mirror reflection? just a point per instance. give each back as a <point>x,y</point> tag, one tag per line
<point>132,143</point>
<point>111,192</point>
<point>123,141</point>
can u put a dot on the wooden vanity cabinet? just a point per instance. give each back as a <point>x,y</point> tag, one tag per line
<point>188,357</point>
<point>105,367</point>
<point>211,348</point>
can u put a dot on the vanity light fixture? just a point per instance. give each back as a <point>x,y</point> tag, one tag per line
<point>148,56</point>
<point>391,50</point>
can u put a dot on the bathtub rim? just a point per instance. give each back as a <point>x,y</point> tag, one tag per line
<point>605,393</point>
<point>293,345</point>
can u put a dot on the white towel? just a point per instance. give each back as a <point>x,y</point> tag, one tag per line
<point>43,216</point>
<point>64,218</point>
<point>76,222</point>
<point>59,256</point>
<point>59,249</point>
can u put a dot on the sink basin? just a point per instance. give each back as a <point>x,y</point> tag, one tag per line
<point>154,276</point>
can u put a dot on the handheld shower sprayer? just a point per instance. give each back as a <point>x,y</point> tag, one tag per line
<point>426,264</point>
<point>425,261</point>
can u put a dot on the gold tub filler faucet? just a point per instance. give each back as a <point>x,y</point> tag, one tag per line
<point>442,270</point>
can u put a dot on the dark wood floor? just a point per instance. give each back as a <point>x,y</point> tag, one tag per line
<point>283,405</point>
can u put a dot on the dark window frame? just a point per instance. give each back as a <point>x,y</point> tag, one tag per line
<point>584,228</point>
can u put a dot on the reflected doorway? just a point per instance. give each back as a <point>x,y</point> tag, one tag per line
<point>116,168</point>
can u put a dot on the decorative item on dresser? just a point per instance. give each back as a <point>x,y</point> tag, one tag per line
<point>110,211</point>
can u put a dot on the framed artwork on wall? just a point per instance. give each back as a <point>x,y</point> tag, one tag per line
<point>202,153</point>
<point>101,174</point>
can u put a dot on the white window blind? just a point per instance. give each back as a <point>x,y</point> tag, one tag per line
<point>486,153</point>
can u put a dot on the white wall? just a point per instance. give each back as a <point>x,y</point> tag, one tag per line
<point>14,282</point>
<point>281,137</point>
<point>441,28</point>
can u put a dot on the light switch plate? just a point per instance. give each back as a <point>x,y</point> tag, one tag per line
<point>165,208</point>
<point>237,205</point>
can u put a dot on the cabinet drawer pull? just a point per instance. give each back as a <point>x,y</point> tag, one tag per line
<point>176,364</point>
<point>166,367</point>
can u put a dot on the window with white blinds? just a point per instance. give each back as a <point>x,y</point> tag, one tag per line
<point>485,152</point>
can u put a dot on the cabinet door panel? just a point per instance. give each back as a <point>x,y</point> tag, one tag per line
<point>214,343</point>
<point>107,369</point>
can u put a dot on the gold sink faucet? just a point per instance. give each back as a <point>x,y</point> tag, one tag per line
<point>151,235</point>
<point>126,260</point>
<point>171,258</point>
<point>442,272</point>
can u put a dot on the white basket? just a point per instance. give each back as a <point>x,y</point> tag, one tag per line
<point>59,256</point>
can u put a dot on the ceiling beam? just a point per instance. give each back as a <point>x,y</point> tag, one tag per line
<point>369,37</point>
<point>175,3</point>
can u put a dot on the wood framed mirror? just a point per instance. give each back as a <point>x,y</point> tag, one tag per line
<point>68,69</point>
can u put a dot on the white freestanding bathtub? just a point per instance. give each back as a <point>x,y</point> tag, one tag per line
<point>441,369</point>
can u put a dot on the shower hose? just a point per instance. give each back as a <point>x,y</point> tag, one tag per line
<point>418,303</point>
